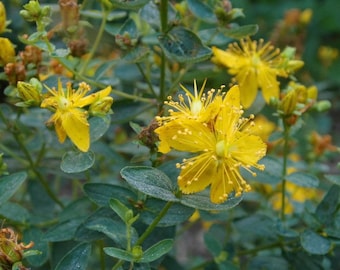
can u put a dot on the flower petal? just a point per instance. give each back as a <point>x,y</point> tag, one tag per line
<point>197,173</point>
<point>77,128</point>
<point>185,135</point>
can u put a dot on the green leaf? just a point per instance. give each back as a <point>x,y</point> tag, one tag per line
<point>84,234</point>
<point>241,32</point>
<point>77,258</point>
<point>129,27</point>
<point>101,193</point>
<point>116,230</point>
<point>156,251</point>
<point>270,175</point>
<point>303,179</point>
<point>150,181</point>
<point>268,262</point>
<point>202,201</point>
<point>202,11</point>
<point>14,211</point>
<point>177,213</point>
<point>76,161</point>
<point>314,243</point>
<point>183,46</point>
<point>10,184</point>
<point>137,54</point>
<point>151,254</point>
<point>121,210</point>
<point>132,4</point>
<point>334,178</point>
<point>98,126</point>
<point>35,235</point>
<point>150,13</point>
<point>119,254</point>
<point>327,208</point>
<point>63,231</point>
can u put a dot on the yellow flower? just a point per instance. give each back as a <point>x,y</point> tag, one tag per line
<point>254,65</point>
<point>2,18</point>
<point>70,117</point>
<point>7,52</point>
<point>198,106</point>
<point>222,145</point>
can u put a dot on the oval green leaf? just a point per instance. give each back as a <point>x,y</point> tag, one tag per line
<point>101,193</point>
<point>35,235</point>
<point>10,184</point>
<point>177,213</point>
<point>183,46</point>
<point>241,32</point>
<point>77,258</point>
<point>116,230</point>
<point>14,211</point>
<point>76,161</point>
<point>150,181</point>
<point>98,126</point>
<point>156,251</point>
<point>202,11</point>
<point>202,201</point>
<point>63,231</point>
<point>314,243</point>
<point>119,254</point>
<point>303,179</point>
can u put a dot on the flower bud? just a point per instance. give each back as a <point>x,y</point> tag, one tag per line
<point>288,103</point>
<point>32,11</point>
<point>323,105</point>
<point>11,252</point>
<point>7,52</point>
<point>30,93</point>
<point>137,252</point>
<point>3,166</point>
<point>101,107</point>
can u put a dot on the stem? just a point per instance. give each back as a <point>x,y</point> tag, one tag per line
<point>102,85</point>
<point>32,164</point>
<point>147,79</point>
<point>148,230</point>
<point>164,25</point>
<point>154,223</point>
<point>96,42</point>
<point>284,167</point>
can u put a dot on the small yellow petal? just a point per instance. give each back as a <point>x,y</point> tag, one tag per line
<point>77,128</point>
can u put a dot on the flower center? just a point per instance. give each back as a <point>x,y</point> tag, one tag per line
<point>220,148</point>
<point>256,60</point>
<point>63,103</point>
<point>196,107</point>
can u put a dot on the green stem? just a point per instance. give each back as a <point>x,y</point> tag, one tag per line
<point>32,164</point>
<point>96,42</point>
<point>164,25</point>
<point>148,230</point>
<point>147,79</point>
<point>154,223</point>
<point>113,91</point>
<point>284,168</point>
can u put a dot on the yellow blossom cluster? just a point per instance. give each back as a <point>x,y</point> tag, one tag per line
<point>256,65</point>
<point>210,125</point>
<point>7,51</point>
<point>70,115</point>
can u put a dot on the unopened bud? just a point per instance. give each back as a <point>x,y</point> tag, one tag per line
<point>7,52</point>
<point>288,103</point>
<point>30,93</point>
<point>137,252</point>
<point>323,105</point>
